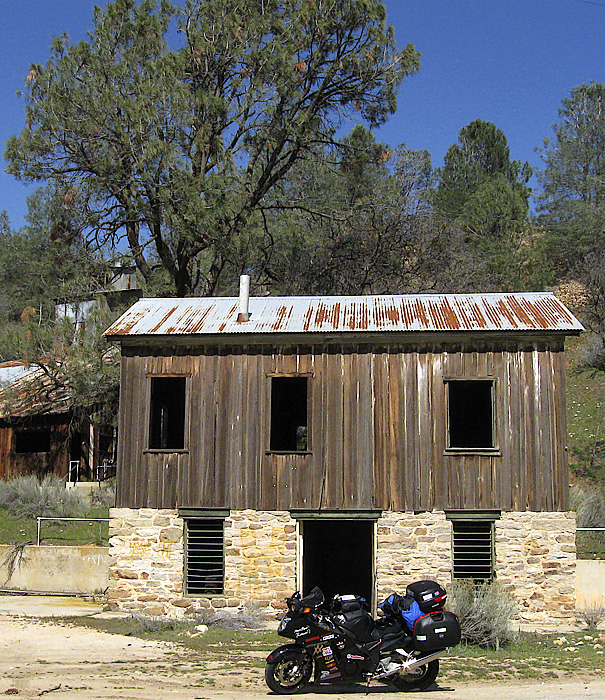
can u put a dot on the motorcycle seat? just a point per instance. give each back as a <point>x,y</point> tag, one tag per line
<point>359,624</point>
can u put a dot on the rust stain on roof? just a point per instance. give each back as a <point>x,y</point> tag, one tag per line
<point>197,323</point>
<point>446,315</point>
<point>420,313</point>
<point>500,312</point>
<point>283,316</point>
<point>520,311</point>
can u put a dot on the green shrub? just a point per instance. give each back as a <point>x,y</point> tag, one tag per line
<point>485,611</point>
<point>30,497</point>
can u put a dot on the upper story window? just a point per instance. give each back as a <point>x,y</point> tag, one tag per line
<point>289,414</point>
<point>167,414</point>
<point>470,412</point>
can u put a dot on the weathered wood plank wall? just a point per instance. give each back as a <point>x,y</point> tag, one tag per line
<point>56,461</point>
<point>377,430</point>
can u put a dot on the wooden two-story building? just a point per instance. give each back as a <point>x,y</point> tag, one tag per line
<point>356,443</point>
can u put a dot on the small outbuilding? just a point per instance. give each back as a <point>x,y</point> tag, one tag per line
<point>355,443</point>
<point>40,432</point>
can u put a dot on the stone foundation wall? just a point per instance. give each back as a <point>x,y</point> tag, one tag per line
<point>260,557</point>
<point>536,562</point>
<point>411,547</point>
<point>535,558</point>
<point>146,562</point>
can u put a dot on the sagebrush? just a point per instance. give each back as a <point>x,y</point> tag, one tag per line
<point>105,495</point>
<point>249,617</point>
<point>485,611</point>
<point>589,507</point>
<point>30,497</point>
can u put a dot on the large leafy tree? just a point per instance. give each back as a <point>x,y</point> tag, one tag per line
<point>573,180</point>
<point>177,148</point>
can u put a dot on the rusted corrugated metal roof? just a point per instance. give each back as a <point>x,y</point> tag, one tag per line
<point>26,390</point>
<point>539,311</point>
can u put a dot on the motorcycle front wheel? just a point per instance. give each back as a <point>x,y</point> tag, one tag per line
<point>420,678</point>
<point>290,673</point>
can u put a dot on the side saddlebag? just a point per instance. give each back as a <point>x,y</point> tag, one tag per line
<point>437,630</point>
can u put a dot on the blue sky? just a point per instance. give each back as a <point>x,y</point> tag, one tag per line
<point>506,61</point>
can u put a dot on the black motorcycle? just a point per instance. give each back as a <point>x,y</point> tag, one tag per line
<point>341,641</point>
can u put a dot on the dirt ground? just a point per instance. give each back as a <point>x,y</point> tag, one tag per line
<point>40,657</point>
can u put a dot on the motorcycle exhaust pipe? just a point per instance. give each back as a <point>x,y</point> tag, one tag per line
<point>412,664</point>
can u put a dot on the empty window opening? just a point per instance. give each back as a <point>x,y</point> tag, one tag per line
<point>470,413</point>
<point>167,429</point>
<point>338,556</point>
<point>473,545</point>
<point>204,556</point>
<point>27,441</point>
<point>289,423</point>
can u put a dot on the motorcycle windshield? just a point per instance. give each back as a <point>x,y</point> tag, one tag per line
<point>313,600</point>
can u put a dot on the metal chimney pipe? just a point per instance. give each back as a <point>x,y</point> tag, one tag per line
<point>244,298</point>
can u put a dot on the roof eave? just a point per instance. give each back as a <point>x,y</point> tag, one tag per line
<point>343,338</point>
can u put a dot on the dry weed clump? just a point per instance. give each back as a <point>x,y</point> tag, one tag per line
<point>592,615</point>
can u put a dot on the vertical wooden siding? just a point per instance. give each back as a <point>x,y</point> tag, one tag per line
<point>56,461</point>
<point>377,431</point>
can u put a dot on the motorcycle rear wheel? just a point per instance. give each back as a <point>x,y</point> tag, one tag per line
<point>290,673</point>
<point>420,678</point>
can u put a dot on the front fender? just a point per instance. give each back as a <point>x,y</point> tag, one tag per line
<point>276,654</point>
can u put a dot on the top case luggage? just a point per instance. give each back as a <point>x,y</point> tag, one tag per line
<point>429,595</point>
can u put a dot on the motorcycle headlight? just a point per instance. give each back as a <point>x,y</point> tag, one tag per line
<point>283,624</point>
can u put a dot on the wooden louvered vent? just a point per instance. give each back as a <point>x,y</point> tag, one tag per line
<point>473,549</point>
<point>204,557</point>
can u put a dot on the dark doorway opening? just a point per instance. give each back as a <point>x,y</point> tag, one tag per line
<point>338,556</point>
